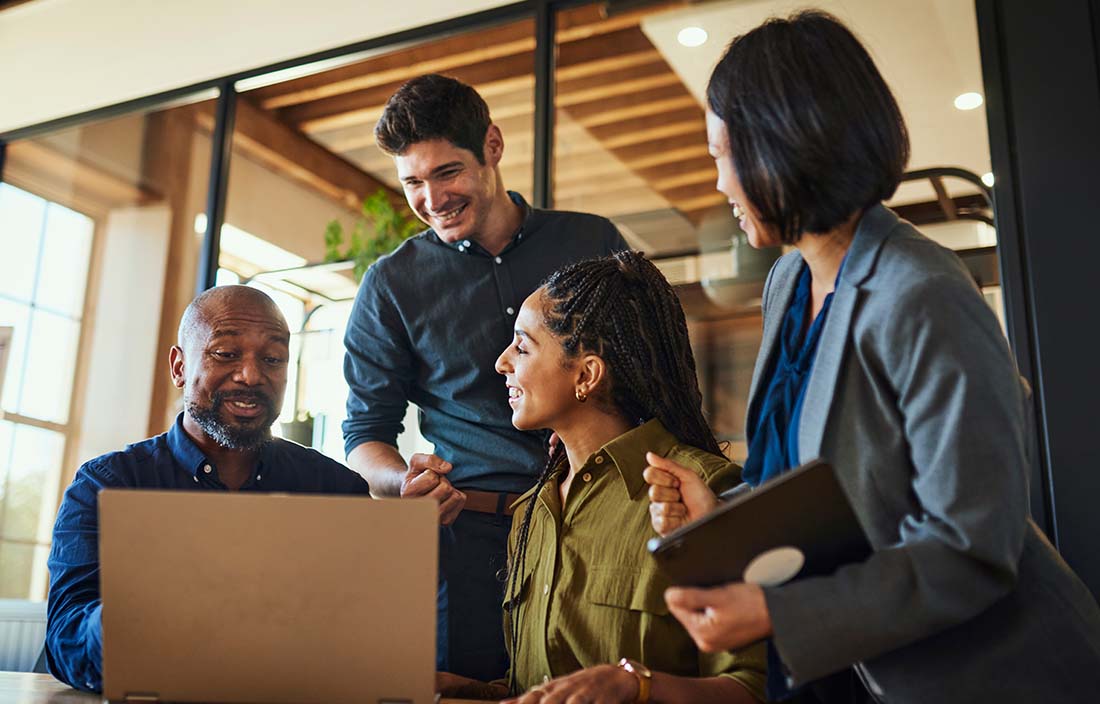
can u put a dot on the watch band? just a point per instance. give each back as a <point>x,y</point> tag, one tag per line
<point>645,678</point>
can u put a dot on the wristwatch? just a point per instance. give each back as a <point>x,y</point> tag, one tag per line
<point>645,678</point>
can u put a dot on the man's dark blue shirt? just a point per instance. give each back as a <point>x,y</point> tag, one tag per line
<point>74,643</point>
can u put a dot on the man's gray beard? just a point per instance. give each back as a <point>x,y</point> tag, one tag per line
<point>226,436</point>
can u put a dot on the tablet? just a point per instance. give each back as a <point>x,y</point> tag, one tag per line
<point>799,524</point>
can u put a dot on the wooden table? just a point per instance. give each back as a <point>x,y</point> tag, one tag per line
<point>28,688</point>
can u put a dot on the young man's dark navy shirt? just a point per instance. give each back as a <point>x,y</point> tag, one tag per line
<point>74,643</point>
<point>427,326</point>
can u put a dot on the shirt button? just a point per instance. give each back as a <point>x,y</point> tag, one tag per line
<point>258,477</point>
<point>498,260</point>
<point>510,310</point>
<point>599,459</point>
<point>465,243</point>
<point>196,480</point>
<point>587,477</point>
<point>546,589</point>
<point>207,468</point>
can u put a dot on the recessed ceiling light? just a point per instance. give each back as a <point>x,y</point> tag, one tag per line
<point>987,179</point>
<point>968,101</point>
<point>692,36</point>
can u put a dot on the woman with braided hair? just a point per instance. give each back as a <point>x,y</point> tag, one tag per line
<point>601,356</point>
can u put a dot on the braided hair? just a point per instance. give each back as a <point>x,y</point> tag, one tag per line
<point>623,309</point>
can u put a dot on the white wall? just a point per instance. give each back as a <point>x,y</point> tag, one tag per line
<point>124,350</point>
<point>62,57</point>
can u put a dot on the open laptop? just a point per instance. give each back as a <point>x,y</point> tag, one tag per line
<point>229,597</point>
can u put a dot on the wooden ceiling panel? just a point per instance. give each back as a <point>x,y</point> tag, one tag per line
<point>399,66</point>
<point>492,77</point>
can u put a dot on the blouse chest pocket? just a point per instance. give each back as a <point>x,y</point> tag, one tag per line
<point>628,588</point>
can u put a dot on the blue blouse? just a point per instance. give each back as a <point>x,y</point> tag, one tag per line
<point>773,447</point>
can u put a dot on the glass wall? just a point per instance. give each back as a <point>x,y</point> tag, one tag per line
<point>630,144</point>
<point>89,217</point>
<point>305,166</point>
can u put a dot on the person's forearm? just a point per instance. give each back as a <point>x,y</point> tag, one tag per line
<point>670,688</point>
<point>381,465</point>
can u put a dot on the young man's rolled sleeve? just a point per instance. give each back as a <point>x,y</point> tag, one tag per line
<point>378,367</point>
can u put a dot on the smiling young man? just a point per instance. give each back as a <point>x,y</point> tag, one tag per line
<point>427,326</point>
<point>231,363</point>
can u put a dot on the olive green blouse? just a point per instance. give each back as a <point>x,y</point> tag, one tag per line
<point>590,592</point>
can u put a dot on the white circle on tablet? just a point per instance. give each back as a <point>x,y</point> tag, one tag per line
<point>775,566</point>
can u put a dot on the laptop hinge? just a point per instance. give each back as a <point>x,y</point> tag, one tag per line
<point>141,697</point>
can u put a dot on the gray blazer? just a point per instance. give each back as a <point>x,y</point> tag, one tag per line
<point>914,398</point>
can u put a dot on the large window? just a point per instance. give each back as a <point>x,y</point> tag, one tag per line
<point>97,252</point>
<point>42,286</point>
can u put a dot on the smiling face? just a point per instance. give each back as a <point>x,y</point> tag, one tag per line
<point>541,380</point>
<point>760,234</point>
<point>233,371</point>
<point>448,188</point>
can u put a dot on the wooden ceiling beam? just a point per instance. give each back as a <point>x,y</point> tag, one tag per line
<point>399,66</point>
<point>655,107</point>
<point>708,175</point>
<point>499,75</point>
<point>689,192</point>
<point>263,137</point>
<point>672,129</point>
<point>638,70</point>
<point>610,87</point>
<point>607,64</point>
<point>576,27</point>
<point>678,168</point>
<point>590,20</point>
<point>634,153</point>
<point>71,178</point>
<point>701,202</point>
<point>688,115</point>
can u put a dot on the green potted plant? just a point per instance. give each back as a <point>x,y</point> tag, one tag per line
<point>379,230</point>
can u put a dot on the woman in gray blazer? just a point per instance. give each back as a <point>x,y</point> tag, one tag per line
<point>880,356</point>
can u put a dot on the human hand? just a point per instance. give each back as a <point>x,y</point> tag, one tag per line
<point>425,478</point>
<point>677,495</point>
<point>722,618</point>
<point>602,684</point>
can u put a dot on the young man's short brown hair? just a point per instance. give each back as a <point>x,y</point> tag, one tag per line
<point>434,107</point>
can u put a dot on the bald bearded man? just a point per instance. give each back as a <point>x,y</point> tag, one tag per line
<point>231,363</point>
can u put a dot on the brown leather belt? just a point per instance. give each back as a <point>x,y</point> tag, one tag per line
<point>489,501</point>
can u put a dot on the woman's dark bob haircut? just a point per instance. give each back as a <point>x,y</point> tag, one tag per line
<point>815,133</point>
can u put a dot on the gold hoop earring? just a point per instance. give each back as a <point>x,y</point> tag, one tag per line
<point>581,396</point>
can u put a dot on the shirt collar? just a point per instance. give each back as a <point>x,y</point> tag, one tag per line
<point>184,450</point>
<point>188,455</point>
<point>628,452</point>
<point>532,219</point>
